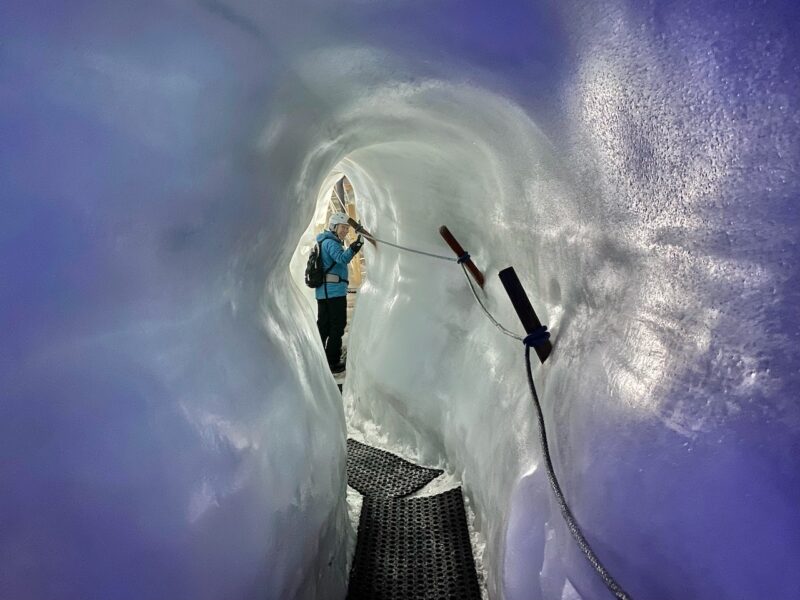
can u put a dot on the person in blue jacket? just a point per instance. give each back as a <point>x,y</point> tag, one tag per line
<point>332,295</point>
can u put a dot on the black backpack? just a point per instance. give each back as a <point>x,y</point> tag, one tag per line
<point>315,274</point>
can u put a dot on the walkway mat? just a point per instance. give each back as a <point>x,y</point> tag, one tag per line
<point>376,472</point>
<point>414,549</point>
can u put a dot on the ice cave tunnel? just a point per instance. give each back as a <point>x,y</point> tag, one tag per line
<point>168,425</point>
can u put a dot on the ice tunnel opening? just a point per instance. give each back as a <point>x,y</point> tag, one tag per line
<point>417,158</point>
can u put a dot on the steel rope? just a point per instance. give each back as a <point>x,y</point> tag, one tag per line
<point>486,311</point>
<point>422,252</point>
<point>566,513</point>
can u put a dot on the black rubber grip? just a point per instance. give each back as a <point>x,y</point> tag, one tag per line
<point>519,299</point>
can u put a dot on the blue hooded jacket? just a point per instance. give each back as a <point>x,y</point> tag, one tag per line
<point>333,253</point>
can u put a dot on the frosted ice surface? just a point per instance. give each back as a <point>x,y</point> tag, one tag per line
<point>167,424</point>
<point>569,592</point>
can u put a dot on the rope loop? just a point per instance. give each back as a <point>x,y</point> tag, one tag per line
<point>536,337</point>
<point>463,258</point>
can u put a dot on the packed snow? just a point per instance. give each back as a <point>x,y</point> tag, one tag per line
<point>168,425</point>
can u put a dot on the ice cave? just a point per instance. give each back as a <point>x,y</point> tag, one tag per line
<point>169,428</point>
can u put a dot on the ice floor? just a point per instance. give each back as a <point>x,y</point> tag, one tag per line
<point>168,428</point>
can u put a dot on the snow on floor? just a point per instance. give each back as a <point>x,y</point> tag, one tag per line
<point>354,502</point>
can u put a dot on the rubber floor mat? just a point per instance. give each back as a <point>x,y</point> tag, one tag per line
<point>376,472</point>
<point>414,549</point>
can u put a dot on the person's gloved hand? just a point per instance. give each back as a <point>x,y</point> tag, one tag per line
<point>356,246</point>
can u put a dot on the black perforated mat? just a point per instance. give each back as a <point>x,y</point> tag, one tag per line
<point>375,472</point>
<point>413,549</point>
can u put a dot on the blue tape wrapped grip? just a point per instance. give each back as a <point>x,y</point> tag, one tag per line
<point>463,258</point>
<point>537,337</point>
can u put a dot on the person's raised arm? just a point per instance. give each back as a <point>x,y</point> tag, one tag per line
<point>337,253</point>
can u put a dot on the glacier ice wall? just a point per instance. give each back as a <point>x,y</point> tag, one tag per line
<point>167,428</point>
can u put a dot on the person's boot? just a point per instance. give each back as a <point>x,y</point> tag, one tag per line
<point>338,367</point>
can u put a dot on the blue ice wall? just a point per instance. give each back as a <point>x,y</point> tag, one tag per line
<point>167,427</point>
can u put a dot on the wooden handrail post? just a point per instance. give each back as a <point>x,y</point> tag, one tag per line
<point>359,229</point>
<point>459,250</point>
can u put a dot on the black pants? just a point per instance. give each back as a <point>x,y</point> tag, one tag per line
<point>331,320</point>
